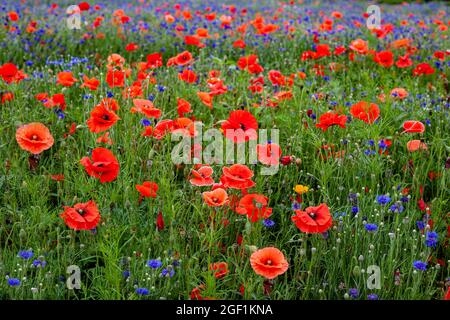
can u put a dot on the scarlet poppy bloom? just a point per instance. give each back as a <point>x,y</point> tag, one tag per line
<point>110,104</point>
<point>239,44</point>
<point>399,93</point>
<point>162,127</point>
<point>220,269</point>
<point>13,16</point>
<point>102,118</point>
<point>183,107</point>
<point>238,176</point>
<point>91,84</point>
<point>66,79</point>
<point>404,61</point>
<point>8,72</point>
<point>115,78</point>
<point>202,176</point>
<point>131,47</point>
<point>160,221</point>
<point>365,111</point>
<point>384,58</point>
<point>115,60</point>
<point>269,262</point>
<point>146,107</point>
<point>184,126</point>
<point>34,137</point>
<point>104,139</point>
<point>103,165</point>
<point>447,295</point>
<point>193,41</point>
<point>154,60</point>
<point>183,58</point>
<point>147,189</point>
<point>215,198</point>
<point>423,68</point>
<point>188,76</point>
<point>413,126</point>
<point>84,6</point>
<point>240,126</point>
<point>83,216</point>
<point>313,219</point>
<point>415,145</point>
<point>6,96</point>
<point>359,46</point>
<point>330,119</point>
<point>206,99</point>
<point>254,206</point>
<point>269,154</point>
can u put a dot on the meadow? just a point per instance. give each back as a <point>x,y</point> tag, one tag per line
<point>358,208</point>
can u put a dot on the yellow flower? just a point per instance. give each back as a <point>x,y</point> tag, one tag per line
<point>300,189</point>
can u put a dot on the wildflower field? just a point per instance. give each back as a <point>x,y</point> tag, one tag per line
<point>343,115</point>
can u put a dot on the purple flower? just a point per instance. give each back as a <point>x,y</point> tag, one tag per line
<point>371,227</point>
<point>383,199</point>
<point>14,282</point>
<point>353,292</point>
<point>142,291</point>
<point>24,254</point>
<point>420,265</point>
<point>154,264</point>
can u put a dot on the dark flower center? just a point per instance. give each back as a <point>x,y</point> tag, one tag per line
<point>313,215</point>
<point>105,117</point>
<point>81,212</point>
<point>242,126</point>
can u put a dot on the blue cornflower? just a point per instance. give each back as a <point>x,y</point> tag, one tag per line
<point>146,122</point>
<point>420,265</point>
<point>355,209</point>
<point>431,239</point>
<point>142,291</point>
<point>126,274</point>
<point>26,254</point>
<point>151,97</point>
<point>383,199</point>
<point>167,273</point>
<point>268,223</point>
<point>154,263</point>
<point>420,224</point>
<point>39,263</point>
<point>109,94</point>
<point>353,292</point>
<point>372,296</point>
<point>371,227</point>
<point>296,206</point>
<point>161,88</point>
<point>14,282</point>
<point>397,207</point>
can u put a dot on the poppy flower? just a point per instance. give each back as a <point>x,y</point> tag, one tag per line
<point>161,128</point>
<point>154,60</point>
<point>329,119</point>
<point>115,78</point>
<point>269,262</point>
<point>193,41</point>
<point>239,44</point>
<point>384,58</point>
<point>202,176</point>
<point>92,84</point>
<point>34,137</point>
<point>215,198</point>
<point>415,145</point>
<point>183,58</point>
<point>183,107</point>
<point>206,99</point>
<point>103,165</point>
<point>82,216</point>
<point>254,206</point>
<point>238,176</point>
<point>404,61</point>
<point>220,269</point>
<point>104,139</point>
<point>6,96</point>
<point>84,6</point>
<point>160,221</point>
<point>13,16</point>
<point>147,189</point>
<point>184,126</point>
<point>240,126</point>
<point>188,76</point>
<point>8,72</point>
<point>447,295</point>
<point>110,104</point>
<point>423,68</point>
<point>102,118</point>
<point>365,111</point>
<point>269,154</point>
<point>66,79</point>
<point>313,219</point>
<point>413,126</point>
<point>131,47</point>
<point>359,46</point>
<point>145,107</point>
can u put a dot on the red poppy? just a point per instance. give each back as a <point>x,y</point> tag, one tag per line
<point>365,111</point>
<point>276,77</point>
<point>206,98</point>
<point>160,221</point>
<point>269,262</point>
<point>183,58</point>
<point>82,216</point>
<point>193,41</point>
<point>110,104</point>
<point>188,76</point>
<point>313,219</point>
<point>359,46</point>
<point>415,145</point>
<point>220,269</point>
<point>147,189</point>
<point>183,107</point>
<point>145,107</point>
<point>102,118</point>
<point>115,78</point>
<point>254,206</point>
<point>269,154</point>
<point>423,68</point>
<point>84,6</point>
<point>154,60</point>
<point>239,44</point>
<point>384,58</point>
<point>66,79</point>
<point>447,295</point>
<point>238,176</point>
<point>202,176</point>
<point>13,16</point>
<point>6,96</point>
<point>131,47</point>
<point>404,61</point>
<point>240,126</point>
<point>250,63</point>
<point>91,84</point>
<point>215,198</point>
<point>413,126</point>
<point>8,72</point>
<point>104,139</point>
<point>34,137</point>
<point>330,119</point>
<point>103,165</point>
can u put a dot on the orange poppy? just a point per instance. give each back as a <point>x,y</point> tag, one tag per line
<point>329,119</point>
<point>220,269</point>
<point>360,46</point>
<point>183,58</point>
<point>102,118</point>
<point>91,84</point>
<point>384,58</point>
<point>237,176</point>
<point>66,79</point>
<point>202,176</point>
<point>206,99</point>
<point>399,93</point>
<point>269,154</point>
<point>183,107</point>
<point>34,137</point>
<point>269,262</point>
<point>110,104</point>
<point>365,111</point>
<point>115,78</point>
<point>147,189</point>
<point>313,219</point>
<point>103,165</point>
<point>82,216</point>
<point>413,126</point>
<point>188,76</point>
<point>240,126</point>
<point>146,107</point>
<point>415,145</point>
<point>215,198</point>
<point>254,206</point>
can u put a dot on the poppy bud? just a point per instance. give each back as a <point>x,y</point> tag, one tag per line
<point>298,162</point>
<point>286,160</point>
